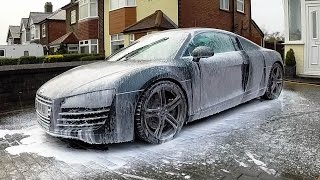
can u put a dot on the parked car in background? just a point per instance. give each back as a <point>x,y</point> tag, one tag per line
<point>16,51</point>
<point>160,82</point>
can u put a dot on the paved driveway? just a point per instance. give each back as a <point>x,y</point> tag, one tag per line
<point>277,139</point>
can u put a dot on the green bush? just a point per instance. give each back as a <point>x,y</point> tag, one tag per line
<point>74,57</point>
<point>28,60</point>
<point>41,59</point>
<point>93,58</point>
<point>8,61</point>
<point>51,59</point>
<point>290,58</point>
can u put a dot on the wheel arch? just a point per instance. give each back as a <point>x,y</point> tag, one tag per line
<point>160,78</point>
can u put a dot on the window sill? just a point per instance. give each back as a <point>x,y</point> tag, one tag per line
<point>121,8</point>
<point>294,43</point>
<point>225,10</point>
<point>242,12</point>
<point>88,18</point>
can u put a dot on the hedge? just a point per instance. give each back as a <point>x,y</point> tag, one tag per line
<point>50,59</point>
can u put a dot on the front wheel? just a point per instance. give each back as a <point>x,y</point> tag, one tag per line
<point>161,112</point>
<point>275,83</point>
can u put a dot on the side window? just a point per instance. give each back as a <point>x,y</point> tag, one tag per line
<point>218,42</point>
<point>26,53</point>
<point>2,53</point>
<point>247,45</point>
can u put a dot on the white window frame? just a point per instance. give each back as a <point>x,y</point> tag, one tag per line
<point>225,5</point>
<point>89,4</point>
<point>44,30</point>
<point>89,43</point>
<point>73,17</point>
<point>36,33</point>
<point>302,24</point>
<point>117,38</point>
<point>238,8</point>
<point>122,4</point>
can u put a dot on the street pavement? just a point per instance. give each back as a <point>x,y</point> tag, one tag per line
<point>277,139</point>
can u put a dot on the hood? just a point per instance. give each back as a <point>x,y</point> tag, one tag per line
<point>73,82</point>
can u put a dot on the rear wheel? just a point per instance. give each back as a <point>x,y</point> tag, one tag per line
<point>161,112</point>
<point>275,83</point>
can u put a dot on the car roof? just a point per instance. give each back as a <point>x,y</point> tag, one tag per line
<point>196,30</point>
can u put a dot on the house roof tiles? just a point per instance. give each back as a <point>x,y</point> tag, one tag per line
<point>157,20</point>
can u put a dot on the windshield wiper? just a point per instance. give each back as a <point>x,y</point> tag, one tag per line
<point>141,49</point>
<point>121,49</point>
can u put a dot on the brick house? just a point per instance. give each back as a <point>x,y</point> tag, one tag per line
<point>230,15</point>
<point>52,27</point>
<point>128,20</point>
<point>84,27</point>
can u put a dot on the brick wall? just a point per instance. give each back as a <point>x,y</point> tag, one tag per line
<point>54,30</point>
<point>19,83</point>
<point>72,27</point>
<point>121,18</point>
<point>88,29</point>
<point>204,13</point>
<point>207,13</point>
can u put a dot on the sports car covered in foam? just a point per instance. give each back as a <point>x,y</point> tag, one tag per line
<point>153,87</point>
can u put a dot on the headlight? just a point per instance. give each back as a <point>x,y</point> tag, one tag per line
<point>90,100</point>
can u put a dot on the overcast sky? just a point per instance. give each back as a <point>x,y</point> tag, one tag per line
<point>268,14</point>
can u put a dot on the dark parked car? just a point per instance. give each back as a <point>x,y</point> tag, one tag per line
<point>156,85</point>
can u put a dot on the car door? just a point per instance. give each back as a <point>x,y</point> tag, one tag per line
<point>256,68</point>
<point>220,78</point>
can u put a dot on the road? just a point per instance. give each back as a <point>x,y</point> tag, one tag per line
<point>277,139</point>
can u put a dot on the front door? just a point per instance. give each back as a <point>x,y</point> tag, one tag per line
<point>313,38</point>
<point>221,76</point>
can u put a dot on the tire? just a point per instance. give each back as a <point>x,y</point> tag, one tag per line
<point>275,83</point>
<point>161,112</point>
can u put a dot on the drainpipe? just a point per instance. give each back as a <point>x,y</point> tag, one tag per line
<point>233,16</point>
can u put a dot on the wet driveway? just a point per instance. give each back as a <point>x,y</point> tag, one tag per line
<point>277,139</point>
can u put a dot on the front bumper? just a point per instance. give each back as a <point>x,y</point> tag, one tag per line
<point>111,123</point>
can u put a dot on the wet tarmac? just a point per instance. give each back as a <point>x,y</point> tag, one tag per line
<point>258,140</point>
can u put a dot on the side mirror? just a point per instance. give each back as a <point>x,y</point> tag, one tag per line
<point>201,52</point>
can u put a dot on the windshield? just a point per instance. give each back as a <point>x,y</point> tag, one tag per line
<point>158,46</point>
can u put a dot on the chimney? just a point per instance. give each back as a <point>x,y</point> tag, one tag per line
<point>48,8</point>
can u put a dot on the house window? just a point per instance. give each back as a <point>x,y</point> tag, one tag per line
<point>314,17</point>
<point>132,38</point>
<point>43,30</point>
<point>117,4</point>
<point>89,46</point>
<point>26,53</point>
<point>294,10</point>
<point>117,42</point>
<point>88,9</point>
<point>36,34</point>
<point>73,49</point>
<point>240,6</point>
<point>2,53</point>
<point>33,32</point>
<point>224,4</point>
<point>73,16</point>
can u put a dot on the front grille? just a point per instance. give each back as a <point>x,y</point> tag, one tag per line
<point>82,118</point>
<point>43,109</point>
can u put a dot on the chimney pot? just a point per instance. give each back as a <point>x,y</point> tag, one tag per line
<point>48,7</point>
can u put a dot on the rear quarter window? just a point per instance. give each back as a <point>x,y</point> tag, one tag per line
<point>248,45</point>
